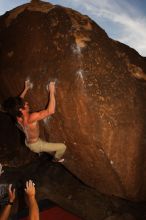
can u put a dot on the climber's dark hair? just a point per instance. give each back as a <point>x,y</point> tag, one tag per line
<point>12,106</point>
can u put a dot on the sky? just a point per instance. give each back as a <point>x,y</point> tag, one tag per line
<point>123,20</point>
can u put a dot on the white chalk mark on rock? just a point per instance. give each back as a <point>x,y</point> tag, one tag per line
<point>101,150</point>
<point>30,84</point>
<point>90,84</point>
<point>111,162</point>
<point>76,49</point>
<point>80,75</point>
<point>46,120</point>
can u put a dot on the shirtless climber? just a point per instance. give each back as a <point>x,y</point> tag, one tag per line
<point>28,122</point>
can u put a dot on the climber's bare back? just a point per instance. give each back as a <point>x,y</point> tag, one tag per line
<point>31,130</point>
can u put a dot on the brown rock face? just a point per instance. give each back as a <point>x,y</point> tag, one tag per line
<point>101,109</point>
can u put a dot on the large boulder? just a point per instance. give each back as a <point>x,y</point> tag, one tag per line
<point>101,106</point>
